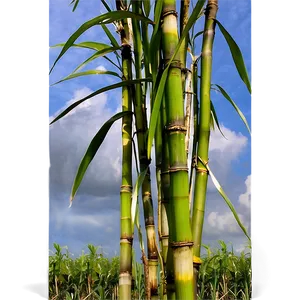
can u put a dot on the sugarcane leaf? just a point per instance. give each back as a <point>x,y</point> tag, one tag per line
<point>135,194</point>
<point>236,55</point>
<point>223,92</point>
<point>92,150</point>
<point>102,90</point>
<point>89,45</point>
<point>89,72</point>
<point>215,118</point>
<point>106,5</point>
<point>147,7</point>
<point>160,89</point>
<point>222,193</point>
<point>103,19</point>
<point>75,4</point>
<point>197,34</point>
<point>96,55</point>
<point>110,36</point>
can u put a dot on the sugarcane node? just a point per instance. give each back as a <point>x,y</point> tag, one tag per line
<point>177,169</point>
<point>175,127</point>
<point>201,170</point>
<point>164,172</point>
<point>149,221</point>
<point>197,260</point>
<point>173,64</point>
<point>169,12</point>
<point>125,218</point>
<point>164,236</point>
<point>126,239</point>
<point>126,189</point>
<point>126,51</point>
<point>182,244</point>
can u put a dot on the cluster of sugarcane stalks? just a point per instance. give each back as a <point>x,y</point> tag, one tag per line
<point>155,68</point>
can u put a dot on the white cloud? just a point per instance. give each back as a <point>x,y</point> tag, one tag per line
<point>101,68</point>
<point>245,199</point>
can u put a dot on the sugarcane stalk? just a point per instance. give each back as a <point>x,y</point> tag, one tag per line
<point>179,186</point>
<point>204,131</point>
<point>126,237</point>
<point>141,128</point>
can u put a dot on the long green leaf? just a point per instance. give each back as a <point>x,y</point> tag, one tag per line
<point>222,193</point>
<point>236,55</point>
<point>90,72</point>
<point>96,55</point>
<point>105,89</point>
<point>103,19</point>
<point>234,105</point>
<point>89,45</point>
<point>135,195</point>
<point>160,90</point>
<point>215,118</point>
<point>110,36</point>
<point>92,150</point>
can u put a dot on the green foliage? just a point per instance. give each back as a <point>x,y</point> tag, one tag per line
<point>221,273</point>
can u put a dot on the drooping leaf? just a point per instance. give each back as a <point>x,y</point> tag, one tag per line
<point>103,19</point>
<point>223,92</point>
<point>135,195</point>
<point>160,89</point>
<point>90,72</point>
<point>215,117</point>
<point>92,150</point>
<point>222,193</point>
<point>96,55</point>
<point>236,55</point>
<point>102,90</point>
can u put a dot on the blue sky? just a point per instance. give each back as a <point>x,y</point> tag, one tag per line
<point>94,216</point>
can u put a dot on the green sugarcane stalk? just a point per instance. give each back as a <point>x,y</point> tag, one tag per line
<point>141,128</point>
<point>126,237</point>
<point>169,291</point>
<point>204,130</point>
<point>126,188</point>
<point>179,186</point>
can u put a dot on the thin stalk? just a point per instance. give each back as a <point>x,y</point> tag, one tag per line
<point>179,186</point>
<point>126,237</point>
<point>204,130</point>
<point>188,103</point>
<point>196,122</point>
<point>184,17</point>
<point>141,128</point>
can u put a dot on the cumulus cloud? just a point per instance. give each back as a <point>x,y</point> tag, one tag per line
<point>245,199</point>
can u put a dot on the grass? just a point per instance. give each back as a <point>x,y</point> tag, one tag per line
<point>222,275</point>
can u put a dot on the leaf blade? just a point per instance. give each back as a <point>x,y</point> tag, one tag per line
<point>106,18</point>
<point>224,196</point>
<point>236,55</point>
<point>102,90</point>
<point>89,72</point>
<point>223,92</point>
<point>92,150</point>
